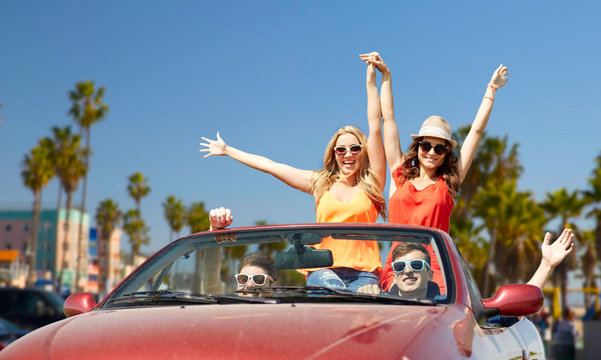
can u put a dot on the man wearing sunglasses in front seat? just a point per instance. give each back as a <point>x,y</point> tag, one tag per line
<point>256,270</point>
<point>412,273</point>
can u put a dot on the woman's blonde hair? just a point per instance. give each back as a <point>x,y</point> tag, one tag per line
<point>367,180</point>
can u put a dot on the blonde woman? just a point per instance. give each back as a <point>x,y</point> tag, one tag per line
<point>347,189</point>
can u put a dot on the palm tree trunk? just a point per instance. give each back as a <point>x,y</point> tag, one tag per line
<point>55,276</point>
<point>488,268</point>
<point>564,287</point>
<point>33,245</point>
<point>80,251</point>
<point>65,244</point>
<point>82,255</point>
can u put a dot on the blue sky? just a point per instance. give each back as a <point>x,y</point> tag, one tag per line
<point>277,79</point>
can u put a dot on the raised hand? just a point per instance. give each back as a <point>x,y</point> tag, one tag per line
<point>220,218</point>
<point>214,147</point>
<point>499,77</point>
<point>554,254</point>
<point>373,58</point>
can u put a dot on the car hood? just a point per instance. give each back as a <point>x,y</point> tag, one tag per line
<point>236,331</point>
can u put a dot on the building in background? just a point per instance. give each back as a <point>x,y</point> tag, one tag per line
<point>92,285</point>
<point>56,247</point>
<point>13,268</point>
<point>109,261</point>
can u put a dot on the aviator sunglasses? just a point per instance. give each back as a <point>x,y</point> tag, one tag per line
<point>439,149</point>
<point>415,265</point>
<point>342,150</point>
<point>257,279</point>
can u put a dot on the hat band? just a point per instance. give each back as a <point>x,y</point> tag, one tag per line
<point>433,131</point>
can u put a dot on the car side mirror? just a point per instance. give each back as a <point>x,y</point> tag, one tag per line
<point>79,303</point>
<point>515,300</point>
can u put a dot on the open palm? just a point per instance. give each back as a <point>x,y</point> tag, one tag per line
<point>214,147</point>
<point>556,252</point>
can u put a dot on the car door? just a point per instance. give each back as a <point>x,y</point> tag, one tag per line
<point>500,338</point>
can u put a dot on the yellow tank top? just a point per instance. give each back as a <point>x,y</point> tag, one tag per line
<point>360,255</point>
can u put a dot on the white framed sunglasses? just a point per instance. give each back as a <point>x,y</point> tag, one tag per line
<point>415,265</point>
<point>257,279</point>
<point>354,149</point>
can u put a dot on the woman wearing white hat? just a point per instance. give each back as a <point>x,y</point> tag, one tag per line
<point>426,178</point>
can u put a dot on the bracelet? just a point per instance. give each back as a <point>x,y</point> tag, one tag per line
<point>489,97</point>
<point>494,88</point>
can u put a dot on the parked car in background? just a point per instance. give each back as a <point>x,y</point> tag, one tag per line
<point>30,308</point>
<point>9,332</point>
<point>190,300</point>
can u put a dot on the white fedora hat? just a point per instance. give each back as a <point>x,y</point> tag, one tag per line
<point>435,126</point>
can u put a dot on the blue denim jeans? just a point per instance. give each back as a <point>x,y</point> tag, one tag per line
<point>342,278</point>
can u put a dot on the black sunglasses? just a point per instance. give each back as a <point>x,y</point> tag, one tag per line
<point>439,149</point>
<point>415,265</point>
<point>342,150</point>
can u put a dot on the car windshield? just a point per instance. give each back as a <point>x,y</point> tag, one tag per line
<point>289,264</point>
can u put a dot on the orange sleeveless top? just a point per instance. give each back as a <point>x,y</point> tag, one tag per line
<point>359,255</point>
<point>431,206</point>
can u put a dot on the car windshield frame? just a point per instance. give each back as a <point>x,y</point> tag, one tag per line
<point>162,260</point>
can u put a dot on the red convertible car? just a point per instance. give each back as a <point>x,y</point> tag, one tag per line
<point>242,293</point>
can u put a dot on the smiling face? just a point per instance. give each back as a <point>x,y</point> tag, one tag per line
<point>247,274</point>
<point>413,283</point>
<point>430,160</point>
<point>349,162</point>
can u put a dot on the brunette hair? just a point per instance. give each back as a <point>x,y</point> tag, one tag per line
<point>409,168</point>
<point>407,247</point>
<point>367,180</point>
<point>261,260</point>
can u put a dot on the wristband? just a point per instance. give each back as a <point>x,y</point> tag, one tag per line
<point>489,97</point>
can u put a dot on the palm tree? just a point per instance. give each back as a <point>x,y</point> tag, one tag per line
<point>108,217</point>
<point>70,168</point>
<point>175,214</point>
<point>593,198</point>
<point>38,169</point>
<point>137,188</point>
<point>513,222</point>
<point>589,263</point>
<point>198,220</point>
<point>136,229</point>
<point>86,110</point>
<point>563,206</point>
<point>494,161</point>
<point>519,237</point>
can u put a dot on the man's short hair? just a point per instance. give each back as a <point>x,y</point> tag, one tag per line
<point>407,247</point>
<point>261,260</point>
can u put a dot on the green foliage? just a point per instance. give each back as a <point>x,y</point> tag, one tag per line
<point>68,158</point>
<point>136,229</point>
<point>175,213</point>
<point>138,187</point>
<point>108,217</point>
<point>593,197</point>
<point>38,166</point>
<point>198,217</point>
<point>87,107</point>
